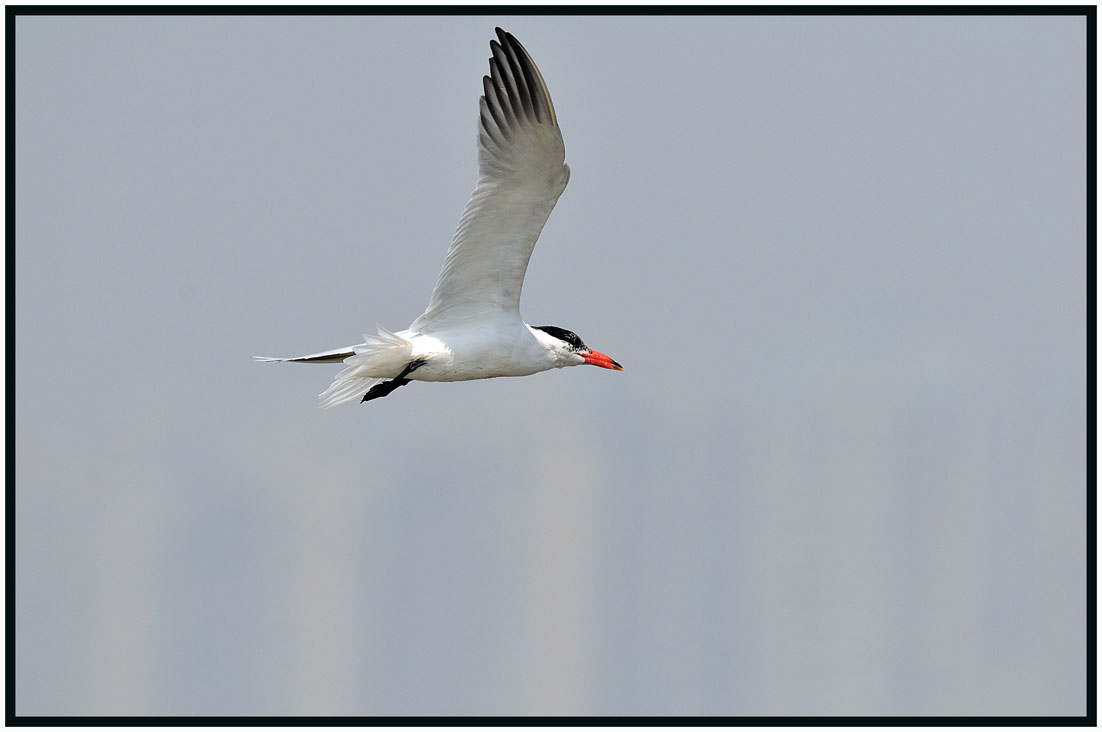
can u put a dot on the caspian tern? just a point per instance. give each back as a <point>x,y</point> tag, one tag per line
<point>472,328</point>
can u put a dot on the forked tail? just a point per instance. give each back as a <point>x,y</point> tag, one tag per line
<point>380,357</point>
<point>335,356</point>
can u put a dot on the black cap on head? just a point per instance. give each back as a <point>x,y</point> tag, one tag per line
<point>564,335</point>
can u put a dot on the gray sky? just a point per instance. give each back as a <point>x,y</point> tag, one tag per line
<point>841,258</point>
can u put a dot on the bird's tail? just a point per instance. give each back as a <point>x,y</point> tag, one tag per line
<point>335,356</point>
<point>379,357</point>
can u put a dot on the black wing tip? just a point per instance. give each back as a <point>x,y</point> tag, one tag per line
<point>530,88</point>
<point>508,39</point>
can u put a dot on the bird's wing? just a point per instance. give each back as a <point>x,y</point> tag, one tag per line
<point>521,175</point>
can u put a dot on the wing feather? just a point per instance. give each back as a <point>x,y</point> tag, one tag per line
<point>521,174</point>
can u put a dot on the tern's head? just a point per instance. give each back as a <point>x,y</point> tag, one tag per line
<point>565,348</point>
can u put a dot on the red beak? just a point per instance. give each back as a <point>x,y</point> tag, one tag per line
<point>596,358</point>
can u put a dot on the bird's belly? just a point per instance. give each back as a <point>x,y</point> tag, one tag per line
<point>482,362</point>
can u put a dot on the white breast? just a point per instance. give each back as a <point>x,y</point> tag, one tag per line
<point>480,351</point>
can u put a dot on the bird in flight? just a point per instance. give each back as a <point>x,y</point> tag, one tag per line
<point>472,328</point>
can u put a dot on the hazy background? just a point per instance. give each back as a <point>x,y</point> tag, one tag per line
<point>843,262</point>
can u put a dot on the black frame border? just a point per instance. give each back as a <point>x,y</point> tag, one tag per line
<point>1089,13</point>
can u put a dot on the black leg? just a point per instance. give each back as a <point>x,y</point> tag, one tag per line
<point>383,388</point>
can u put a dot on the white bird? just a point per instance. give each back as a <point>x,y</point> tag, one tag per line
<point>472,328</point>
